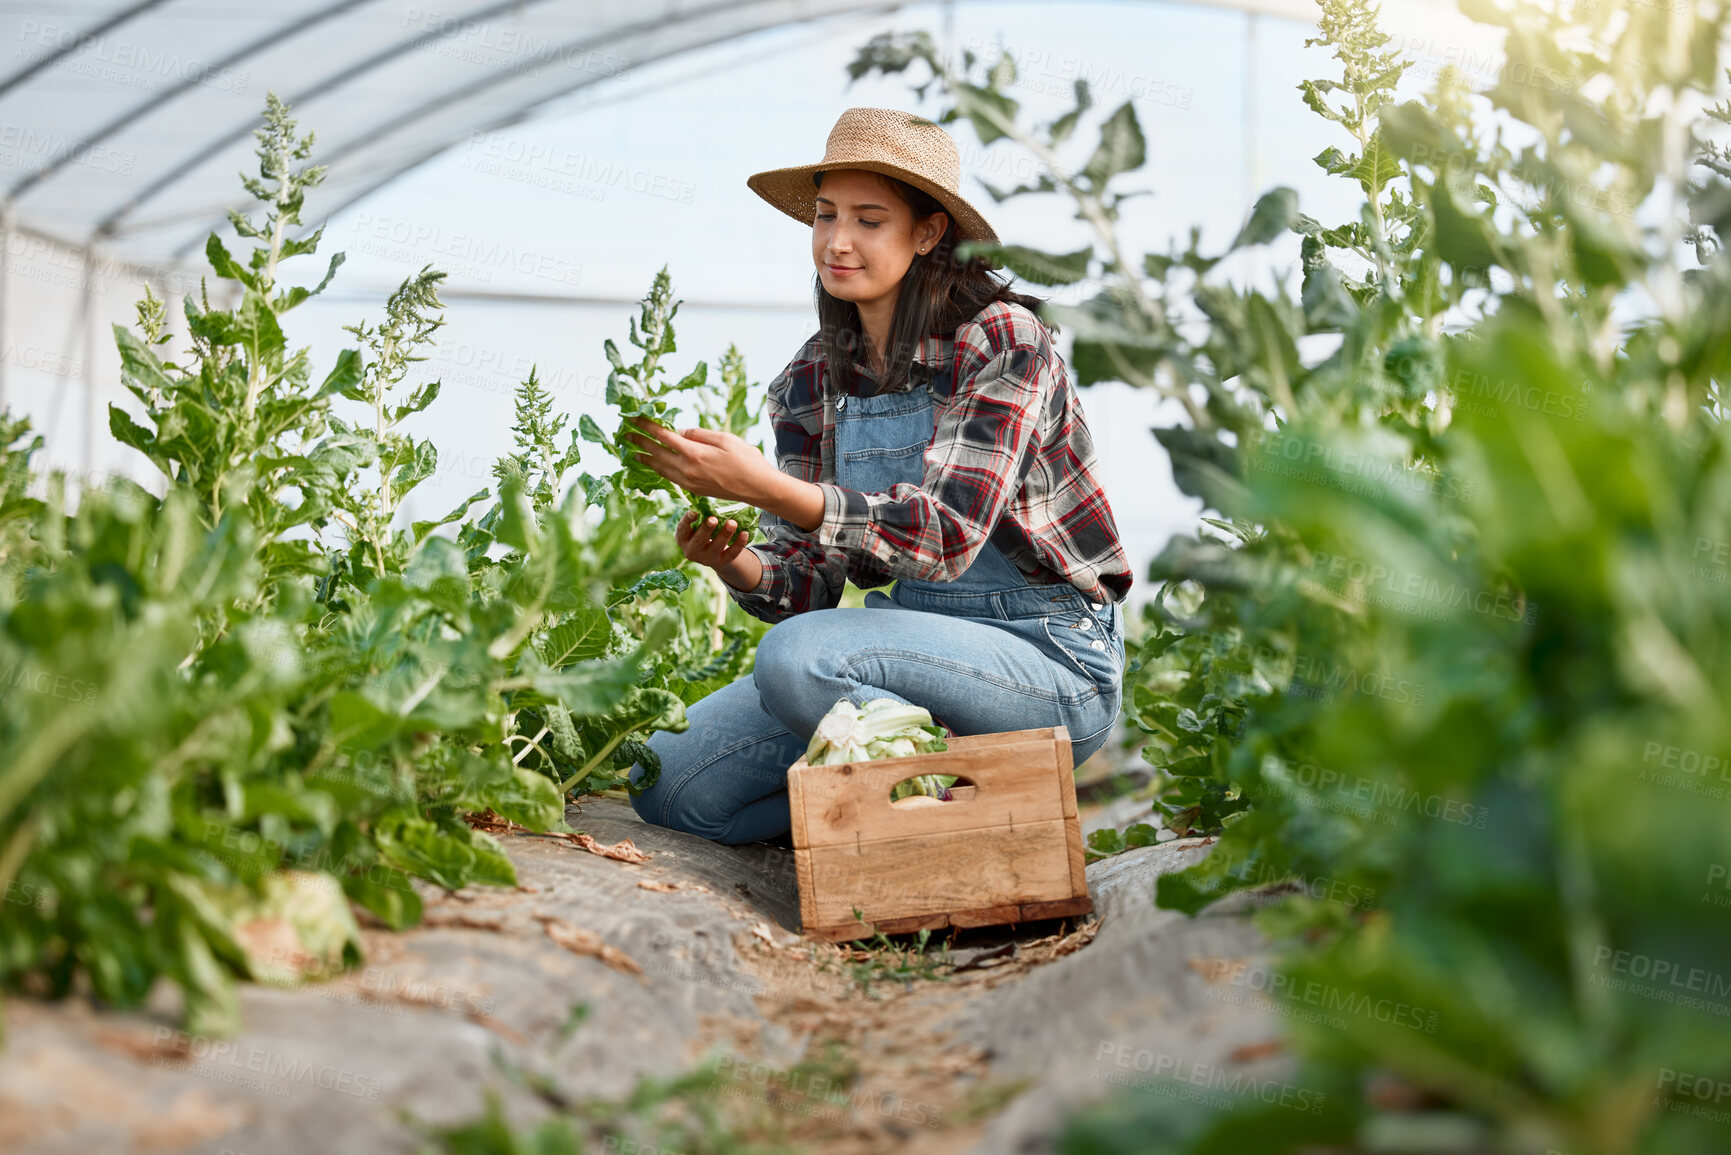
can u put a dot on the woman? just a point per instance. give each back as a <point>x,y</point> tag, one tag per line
<point>926,435</point>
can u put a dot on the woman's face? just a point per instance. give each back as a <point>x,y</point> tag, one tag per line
<point>865,236</point>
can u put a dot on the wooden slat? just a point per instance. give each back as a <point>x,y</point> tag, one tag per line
<point>1062,908</point>
<point>802,873</point>
<point>1015,784</point>
<point>982,916</point>
<point>938,872</point>
<point>986,916</point>
<point>1066,769</point>
<point>835,933</point>
<point>796,806</point>
<point>914,923</point>
<point>1072,823</point>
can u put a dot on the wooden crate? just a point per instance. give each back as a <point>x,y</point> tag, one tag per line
<point>1009,849</point>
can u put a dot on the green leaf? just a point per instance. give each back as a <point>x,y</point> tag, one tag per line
<point>1032,265</point>
<point>1122,147</point>
<point>590,688</point>
<point>344,375</point>
<point>256,330</point>
<point>420,529</point>
<point>224,265</point>
<point>129,432</point>
<point>1276,212</point>
<point>986,110</point>
<point>580,638</point>
<point>672,580</point>
<point>299,293</point>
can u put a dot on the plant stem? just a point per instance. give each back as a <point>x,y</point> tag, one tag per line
<point>589,766</point>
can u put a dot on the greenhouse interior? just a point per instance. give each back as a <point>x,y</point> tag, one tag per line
<point>447,702</point>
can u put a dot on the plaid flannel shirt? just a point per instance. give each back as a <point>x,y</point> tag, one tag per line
<point>1011,460</point>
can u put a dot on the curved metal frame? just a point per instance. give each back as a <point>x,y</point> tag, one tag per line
<point>174,91</point>
<point>24,74</point>
<point>518,114</point>
<point>113,223</point>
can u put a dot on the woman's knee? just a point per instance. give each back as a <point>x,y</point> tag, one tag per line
<point>798,662</point>
<point>731,754</point>
<point>678,801</point>
<point>790,650</point>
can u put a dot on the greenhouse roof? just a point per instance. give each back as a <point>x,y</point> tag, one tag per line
<point>118,118</point>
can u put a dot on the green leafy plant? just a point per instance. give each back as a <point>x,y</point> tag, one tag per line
<point>217,717</point>
<point>641,393</point>
<point>1109,842</point>
<point>1457,595</point>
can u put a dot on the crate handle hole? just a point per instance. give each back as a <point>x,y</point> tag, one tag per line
<point>912,793</point>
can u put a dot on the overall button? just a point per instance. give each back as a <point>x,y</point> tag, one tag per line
<point>1097,644</point>
<point>841,403</point>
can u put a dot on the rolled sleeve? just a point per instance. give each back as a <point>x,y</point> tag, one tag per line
<point>799,574</point>
<point>847,518</point>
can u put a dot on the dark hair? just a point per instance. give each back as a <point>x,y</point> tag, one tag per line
<point>938,295</point>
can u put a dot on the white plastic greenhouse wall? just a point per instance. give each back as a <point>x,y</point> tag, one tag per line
<point>552,155</point>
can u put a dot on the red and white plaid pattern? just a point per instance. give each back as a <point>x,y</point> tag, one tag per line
<point>1011,459</point>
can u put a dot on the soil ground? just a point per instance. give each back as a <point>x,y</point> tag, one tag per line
<point>597,974</point>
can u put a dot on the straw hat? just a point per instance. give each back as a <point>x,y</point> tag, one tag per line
<point>887,141</point>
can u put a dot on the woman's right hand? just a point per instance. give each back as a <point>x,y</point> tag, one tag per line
<point>710,544</point>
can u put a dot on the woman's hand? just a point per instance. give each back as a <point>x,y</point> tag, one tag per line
<point>713,463</point>
<point>707,462</point>
<point>710,544</point>
<point>721,548</point>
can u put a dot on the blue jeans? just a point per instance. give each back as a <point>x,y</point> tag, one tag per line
<point>725,777</point>
<point>987,652</point>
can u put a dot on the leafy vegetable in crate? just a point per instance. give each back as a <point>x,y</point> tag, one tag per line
<point>882,728</point>
<point>640,392</point>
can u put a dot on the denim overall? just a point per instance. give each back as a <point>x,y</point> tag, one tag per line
<point>880,441</point>
<point>988,652</point>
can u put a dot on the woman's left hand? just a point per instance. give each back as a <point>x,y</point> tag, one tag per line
<point>708,462</point>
